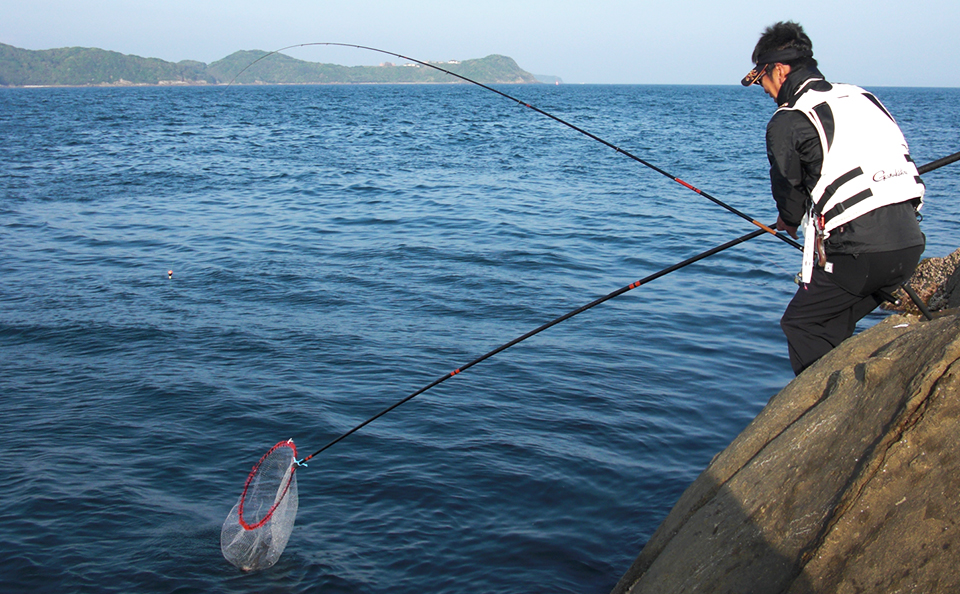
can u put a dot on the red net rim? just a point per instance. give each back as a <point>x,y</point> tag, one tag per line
<point>246,486</point>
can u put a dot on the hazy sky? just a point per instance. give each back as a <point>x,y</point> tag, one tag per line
<point>867,42</point>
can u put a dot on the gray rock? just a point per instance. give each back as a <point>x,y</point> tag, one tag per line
<point>931,283</point>
<point>847,481</point>
<point>952,290</point>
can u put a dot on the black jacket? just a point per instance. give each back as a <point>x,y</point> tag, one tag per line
<point>795,155</point>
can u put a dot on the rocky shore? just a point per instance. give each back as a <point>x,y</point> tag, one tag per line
<point>847,481</point>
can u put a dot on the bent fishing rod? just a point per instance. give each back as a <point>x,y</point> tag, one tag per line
<point>926,168</point>
<point>706,195</point>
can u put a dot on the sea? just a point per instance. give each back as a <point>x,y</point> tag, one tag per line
<point>190,275</point>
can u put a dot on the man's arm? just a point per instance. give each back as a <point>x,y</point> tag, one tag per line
<point>795,155</point>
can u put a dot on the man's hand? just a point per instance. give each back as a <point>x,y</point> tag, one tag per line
<point>791,230</point>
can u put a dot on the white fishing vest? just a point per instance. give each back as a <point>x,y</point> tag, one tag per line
<point>866,162</point>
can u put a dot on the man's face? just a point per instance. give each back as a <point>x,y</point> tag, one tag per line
<point>773,78</point>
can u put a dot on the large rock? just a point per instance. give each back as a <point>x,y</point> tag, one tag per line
<point>847,481</point>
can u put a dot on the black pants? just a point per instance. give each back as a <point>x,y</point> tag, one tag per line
<point>825,311</point>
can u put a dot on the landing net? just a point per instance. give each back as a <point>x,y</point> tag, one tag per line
<point>258,527</point>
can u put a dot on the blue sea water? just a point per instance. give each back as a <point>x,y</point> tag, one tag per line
<point>335,248</point>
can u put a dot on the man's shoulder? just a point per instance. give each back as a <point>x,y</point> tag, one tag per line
<point>812,90</point>
<point>787,118</point>
<point>789,130</point>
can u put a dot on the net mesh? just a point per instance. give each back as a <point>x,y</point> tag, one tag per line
<point>258,527</point>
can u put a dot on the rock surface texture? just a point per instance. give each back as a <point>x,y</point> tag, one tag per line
<point>848,480</point>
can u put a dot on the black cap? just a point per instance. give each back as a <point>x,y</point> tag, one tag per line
<point>779,56</point>
<point>753,77</point>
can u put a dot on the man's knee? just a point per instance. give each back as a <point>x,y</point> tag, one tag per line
<point>789,324</point>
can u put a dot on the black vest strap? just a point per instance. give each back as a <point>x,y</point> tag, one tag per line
<point>832,189</point>
<point>851,201</point>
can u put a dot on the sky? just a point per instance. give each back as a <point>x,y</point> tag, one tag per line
<point>865,42</point>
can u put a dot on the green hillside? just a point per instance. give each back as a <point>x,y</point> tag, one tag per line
<point>90,66</point>
<point>77,66</point>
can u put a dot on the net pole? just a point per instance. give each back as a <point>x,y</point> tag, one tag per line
<point>554,322</point>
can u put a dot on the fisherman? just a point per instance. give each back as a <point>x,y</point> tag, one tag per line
<point>841,169</point>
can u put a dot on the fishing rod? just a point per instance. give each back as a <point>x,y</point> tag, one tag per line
<point>554,322</point>
<point>939,163</point>
<point>683,183</point>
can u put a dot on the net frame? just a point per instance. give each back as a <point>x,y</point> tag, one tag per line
<point>250,478</point>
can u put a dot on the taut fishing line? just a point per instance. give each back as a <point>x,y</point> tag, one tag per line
<point>258,527</point>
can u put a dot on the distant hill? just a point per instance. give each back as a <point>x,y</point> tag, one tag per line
<point>76,66</point>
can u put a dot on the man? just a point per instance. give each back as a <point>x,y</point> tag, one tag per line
<point>840,167</point>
